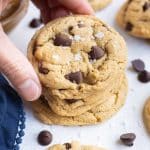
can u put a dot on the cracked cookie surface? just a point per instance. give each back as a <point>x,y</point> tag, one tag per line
<point>76,56</point>
<point>134,17</point>
<point>99,4</point>
<point>95,115</point>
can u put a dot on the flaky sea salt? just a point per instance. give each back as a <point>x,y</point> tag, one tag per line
<point>77,38</point>
<point>92,61</point>
<point>77,57</point>
<point>99,35</point>
<point>55,57</point>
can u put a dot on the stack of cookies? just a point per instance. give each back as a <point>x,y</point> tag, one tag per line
<point>81,64</point>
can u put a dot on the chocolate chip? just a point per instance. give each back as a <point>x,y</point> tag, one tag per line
<point>62,40</point>
<point>35,23</point>
<point>81,25</point>
<point>144,76</point>
<point>128,139</point>
<point>129,26</point>
<point>68,146</point>
<point>45,138</point>
<point>146,6</point>
<point>42,69</point>
<point>138,65</point>
<point>76,77</point>
<point>96,53</point>
<point>71,101</point>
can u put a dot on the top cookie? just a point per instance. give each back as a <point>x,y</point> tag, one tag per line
<point>74,146</point>
<point>77,55</point>
<point>134,17</point>
<point>99,4</point>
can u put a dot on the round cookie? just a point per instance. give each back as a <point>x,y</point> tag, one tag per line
<point>146,115</point>
<point>99,4</point>
<point>76,56</point>
<point>134,17</point>
<point>11,8</point>
<point>74,145</point>
<point>95,115</point>
<point>74,107</point>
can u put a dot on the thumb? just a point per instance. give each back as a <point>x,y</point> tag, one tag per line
<point>18,70</point>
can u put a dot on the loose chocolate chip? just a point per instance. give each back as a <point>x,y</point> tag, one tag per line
<point>96,53</point>
<point>146,6</point>
<point>68,146</point>
<point>128,139</point>
<point>138,65</point>
<point>144,76</point>
<point>129,26</point>
<point>35,23</point>
<point>42,69</point>
<point>62,40</point>
<point>71,101</point>
<point>76,77</point>
<point>45,138</point>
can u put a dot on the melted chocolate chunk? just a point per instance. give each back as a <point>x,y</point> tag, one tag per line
<point>128,139</point>
<point>129,26</point>
<point>68,146</point>
<point>81,25</point>
<point>146,6</point>
<point>71,101</point>
<point>62,40</point>
<point>96,53</point>
<point>76,77</point>
<point>42,69</point>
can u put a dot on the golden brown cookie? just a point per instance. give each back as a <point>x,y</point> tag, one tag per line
<point>74,145</point>
<point>134,17</point>
<point>74,107</point>
<point>10,8</point>
<point>99,4</point>
<point>146,115</point>
<point>97,114</point>
<point>77,56</point>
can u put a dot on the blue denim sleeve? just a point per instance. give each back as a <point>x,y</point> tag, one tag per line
<point>12,117</point>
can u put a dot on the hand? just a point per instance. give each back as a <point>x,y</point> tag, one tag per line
<point>18,70</point>
<point>51,9</point>
<point>15,66</point>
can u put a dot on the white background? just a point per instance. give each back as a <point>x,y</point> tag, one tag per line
<point>129,119</point>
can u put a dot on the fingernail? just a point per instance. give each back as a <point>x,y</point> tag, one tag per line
<point>29,90</point>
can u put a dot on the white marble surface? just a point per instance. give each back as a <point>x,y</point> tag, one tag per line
<point>129,119</point>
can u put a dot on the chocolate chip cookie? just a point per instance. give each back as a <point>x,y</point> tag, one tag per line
<point>95,115</point>
<point>77,56</point>
<point>134,17</point>
<point>146,115</point>
<point>99,4</point>
<point>74,145</point>
<point>75,107</point>
<point>10,8</point>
